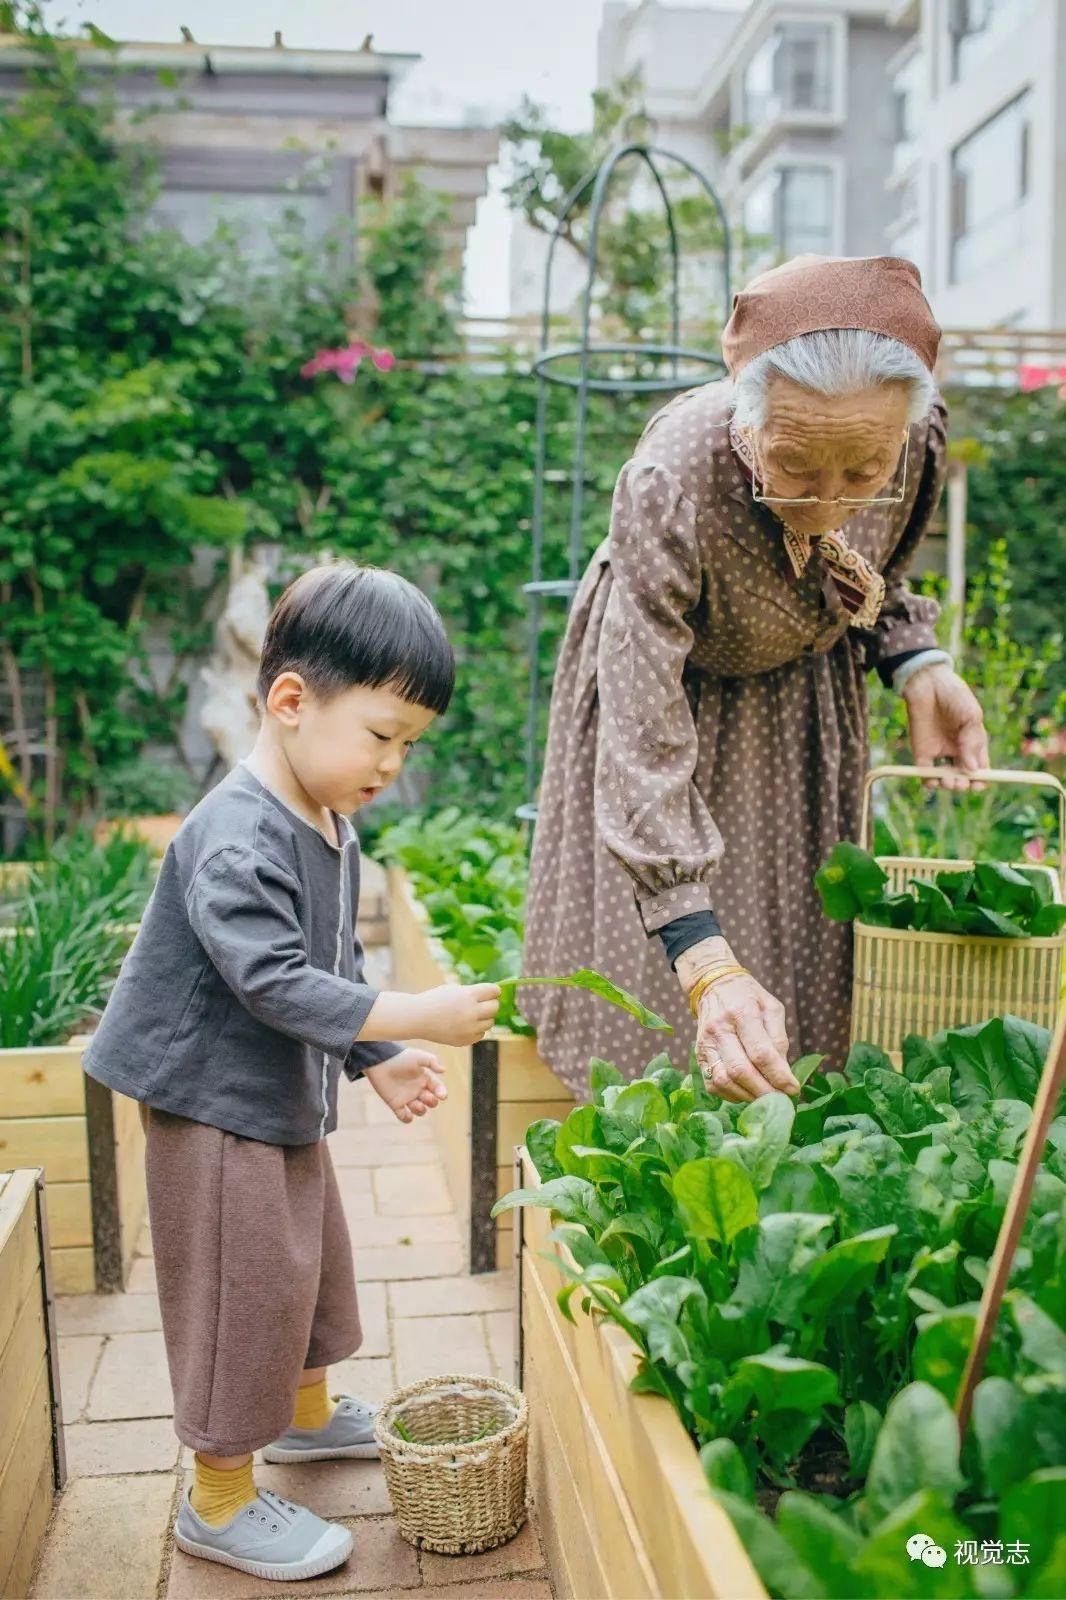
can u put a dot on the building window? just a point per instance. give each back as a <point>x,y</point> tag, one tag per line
<point>792,71</point>
<point>989,188</point>
<point>790,211</point>
<point>908,99</point>
<point>976,28</point>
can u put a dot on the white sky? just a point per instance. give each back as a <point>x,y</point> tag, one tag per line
<point>479,58</point>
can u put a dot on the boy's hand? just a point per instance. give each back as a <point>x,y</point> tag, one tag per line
<point>457,1013</point>
<point>408,1083</point>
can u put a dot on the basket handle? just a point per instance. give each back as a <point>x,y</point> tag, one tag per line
<point>992,775</point>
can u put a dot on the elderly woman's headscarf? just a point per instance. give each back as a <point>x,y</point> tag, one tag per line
<point>813,294</point>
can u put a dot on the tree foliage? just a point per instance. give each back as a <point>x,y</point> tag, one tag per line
<point>632,283</point>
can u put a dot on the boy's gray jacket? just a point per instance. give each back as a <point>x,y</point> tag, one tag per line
<point>242,994</point>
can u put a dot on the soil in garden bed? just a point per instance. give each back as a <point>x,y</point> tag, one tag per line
<point>822,1469</point>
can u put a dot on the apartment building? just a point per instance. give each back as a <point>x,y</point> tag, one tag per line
<point>979,169</point>
<point>787,106</point>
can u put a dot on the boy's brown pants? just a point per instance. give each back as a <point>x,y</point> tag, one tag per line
<point>254,1267</point>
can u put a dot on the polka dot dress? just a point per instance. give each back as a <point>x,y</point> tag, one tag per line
<point>707,742</point>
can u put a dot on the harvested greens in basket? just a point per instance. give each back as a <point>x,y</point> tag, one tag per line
<point>988,899</point>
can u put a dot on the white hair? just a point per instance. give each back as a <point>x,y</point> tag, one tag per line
<point>833,361</point>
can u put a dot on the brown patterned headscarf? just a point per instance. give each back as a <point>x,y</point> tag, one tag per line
<point>811,294</point>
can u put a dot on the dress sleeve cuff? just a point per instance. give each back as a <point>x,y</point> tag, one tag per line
<point>682,934</point>
<point>897,636</point>
<point>923,658</point>
<point>656,910</point>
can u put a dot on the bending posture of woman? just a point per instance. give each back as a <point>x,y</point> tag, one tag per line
<point>708,733</point>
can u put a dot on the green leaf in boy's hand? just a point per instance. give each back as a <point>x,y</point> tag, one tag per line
<point>596,983</point>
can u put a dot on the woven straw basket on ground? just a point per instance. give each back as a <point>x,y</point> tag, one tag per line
<point>909,982</point>
<point>458,1480</point>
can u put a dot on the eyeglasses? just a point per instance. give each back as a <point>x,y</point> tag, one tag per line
<point>841,500</point>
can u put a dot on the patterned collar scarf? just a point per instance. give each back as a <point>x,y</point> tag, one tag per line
<point>861,589</point>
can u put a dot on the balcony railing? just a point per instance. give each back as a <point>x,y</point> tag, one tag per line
<point>994,357</point>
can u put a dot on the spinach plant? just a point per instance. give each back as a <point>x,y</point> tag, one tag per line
<point>802,1278</point>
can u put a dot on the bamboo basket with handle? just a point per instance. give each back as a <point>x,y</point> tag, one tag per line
<point>910,982</point>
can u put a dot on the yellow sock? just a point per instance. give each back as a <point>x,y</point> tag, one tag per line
<point>218,1493</point>
<point>313,1406</point>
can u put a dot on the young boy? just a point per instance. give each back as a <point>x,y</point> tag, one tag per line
<point>240,1002</point>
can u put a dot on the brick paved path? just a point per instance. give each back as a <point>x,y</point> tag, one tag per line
<point>109,1538</point>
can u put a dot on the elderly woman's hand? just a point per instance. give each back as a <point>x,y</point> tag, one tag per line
<point>741,1041</point>
<point>946,720</point>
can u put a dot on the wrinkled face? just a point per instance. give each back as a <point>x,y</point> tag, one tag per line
<point>344,748</point>
<point>814,445</point>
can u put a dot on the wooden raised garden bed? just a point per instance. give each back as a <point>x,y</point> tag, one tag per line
<point>495,1090</point>
<point>90,1144</point>
<point>622,1505</point>
<point>31,1438</point>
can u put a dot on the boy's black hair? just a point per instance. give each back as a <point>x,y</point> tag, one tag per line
<point>343,625</point>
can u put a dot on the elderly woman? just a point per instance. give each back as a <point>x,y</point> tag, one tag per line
<point>708,735</point>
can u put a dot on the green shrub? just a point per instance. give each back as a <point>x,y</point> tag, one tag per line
<point>146,788</point>
<point>66,930</point>
<point>470,874</point>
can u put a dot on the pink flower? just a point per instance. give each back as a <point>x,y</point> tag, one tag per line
<point>345,360</point>
<point>1049,744</point>
<point>1030,377</point>
<point>1033,849</point>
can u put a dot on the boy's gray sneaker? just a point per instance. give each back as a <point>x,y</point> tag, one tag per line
<point>348,1433</point>
<point>270,1538</point>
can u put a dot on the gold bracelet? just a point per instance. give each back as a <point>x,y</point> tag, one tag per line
<point>708,980</point>
<point>725,964</point>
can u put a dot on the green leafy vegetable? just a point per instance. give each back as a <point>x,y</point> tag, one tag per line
<point>597,984</point>
<point>800,1279</point>
<point>989,900</point>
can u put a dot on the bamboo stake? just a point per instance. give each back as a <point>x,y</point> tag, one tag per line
<point>1047,1098</point>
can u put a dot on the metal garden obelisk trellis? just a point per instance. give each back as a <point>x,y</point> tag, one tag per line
<point>573,366</point>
